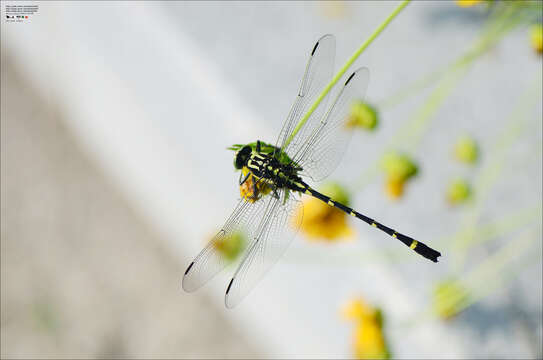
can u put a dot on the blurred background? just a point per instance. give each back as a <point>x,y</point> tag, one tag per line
<point>111,112</point>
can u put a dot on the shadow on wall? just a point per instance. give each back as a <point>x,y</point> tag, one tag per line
<point>82,274</point>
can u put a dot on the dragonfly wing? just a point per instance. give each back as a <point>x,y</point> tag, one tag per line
<point>211,260</point>
<point>318,73</point>
<point>275,233</point>
<point>322,151</point>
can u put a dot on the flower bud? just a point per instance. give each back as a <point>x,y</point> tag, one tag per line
<point>458,192</point>
<point>536,37</point>
<point>466,150</point>
<point>363,115</point>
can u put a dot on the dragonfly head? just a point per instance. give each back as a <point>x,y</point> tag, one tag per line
<point>242,156</point>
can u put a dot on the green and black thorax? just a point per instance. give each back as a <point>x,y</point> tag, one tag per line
<point>268,163</point>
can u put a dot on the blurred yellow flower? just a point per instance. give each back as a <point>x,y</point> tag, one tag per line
<point>398,169</point>
<point>363,115</point>
<point>449,299</point>
<point>468,3</point>
<point>459,191</point>
<point>333,9</point>
<point>369,340</point>
<point>536,36</point>
<point>358,310</point>
<point>321,221</point>
<point>394,188</point>
<point>250,190</point>
<point>466,150</point>
<point>231,246</point>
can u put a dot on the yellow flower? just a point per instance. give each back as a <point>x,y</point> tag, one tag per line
<point>231,246</point>
<point>450,298</point>
<point>250,190</point>
<point>369,340</point>
<point>321,221</point>
<point>466,150</point>
<point>459,191</point>
<point>467,3</point>
<point>398,169</point>
<point>358,310</point>
<point>536,36</point>
<point>394,188</point>
<point>363,115</point>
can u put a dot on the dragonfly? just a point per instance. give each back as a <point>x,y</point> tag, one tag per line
<point>272,181</point>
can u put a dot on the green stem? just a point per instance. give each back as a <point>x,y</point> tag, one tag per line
<point>491,172</point>
<point>413,134</point>
<point>494,272</point>
<point>409,134</point>
<point>490,274</point>
<point>493,230</point>
<point>494,31</point>
<point>412,89</point>
<point>345,67</point>
<point>497,261</point>
<point>484,233</point>
<point>479,48</point>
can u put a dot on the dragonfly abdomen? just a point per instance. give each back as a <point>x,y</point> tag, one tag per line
<point>417,246</point>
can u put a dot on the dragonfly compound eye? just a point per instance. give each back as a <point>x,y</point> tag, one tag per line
<point>242,156</point>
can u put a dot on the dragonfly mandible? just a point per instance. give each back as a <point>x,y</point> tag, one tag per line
<point>271,180</point>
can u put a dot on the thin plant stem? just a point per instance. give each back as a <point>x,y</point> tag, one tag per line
<point>490,173</point>
<point>420,121</point>
<point>412,89</point>
<point>495,229</point>
<point>485,232</point>
<point>483,280</point>
<point>345,67</point>
<point>410,133</point>
<point>489,37</point>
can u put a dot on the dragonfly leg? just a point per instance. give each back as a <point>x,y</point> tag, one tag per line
<point>242,181</point>
<point>255,189</point>
<point>275,194</point>
<point>258,146</point>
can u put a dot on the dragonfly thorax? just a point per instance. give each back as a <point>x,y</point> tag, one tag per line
<point>262,163</point>
<point>266,166</point>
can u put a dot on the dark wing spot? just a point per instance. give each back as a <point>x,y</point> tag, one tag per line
<point>229,286</point>
<point>314,48</point>
<point>188,269</point>
<point>350,77</point>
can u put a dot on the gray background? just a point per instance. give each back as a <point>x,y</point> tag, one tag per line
<point>111,114</point>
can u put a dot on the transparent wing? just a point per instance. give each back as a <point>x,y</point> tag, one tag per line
<point>322,151</point>
<point>210,260</point>
<point>318,73</point>
<point>275,233</point>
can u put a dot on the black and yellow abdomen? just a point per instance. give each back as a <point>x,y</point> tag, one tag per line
<point>419,247</point>
<point>271,175</point>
